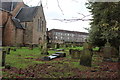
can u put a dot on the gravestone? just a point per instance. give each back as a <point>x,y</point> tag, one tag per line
<point>54,56</point>
<point>44,49</point>
<point>57,46</point>
<point>31,47</point>
<point>8,50</point>
<point>70,51</point>
<point>3,58</point>
<point>61,54</point>
<point>119,55</point>
<point>114,52</point>
<point>107,52</point>
<point>14,49</point>
<point>75,54</point>
<point>86,56</point>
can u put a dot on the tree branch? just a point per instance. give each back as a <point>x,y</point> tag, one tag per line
<point>60,7</point>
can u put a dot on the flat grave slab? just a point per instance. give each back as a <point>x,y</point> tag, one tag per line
<point>54,56</point>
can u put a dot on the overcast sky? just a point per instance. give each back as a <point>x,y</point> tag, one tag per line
<point>69,9</point>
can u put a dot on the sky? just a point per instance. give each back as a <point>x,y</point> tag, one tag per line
<point>66,9</point>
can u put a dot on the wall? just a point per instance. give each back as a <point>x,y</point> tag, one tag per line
<point>19,36</point>
<point>0,36</point>
<point>28,33</point>
<point>3,17</point>
<point>17,8</point>
<point>39,36</point>
<point>9,33</point>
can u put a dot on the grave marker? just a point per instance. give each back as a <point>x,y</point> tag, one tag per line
<point>86,56</point>
<point>119,55</point>
<point>3,58</point>
<point>53,56</point>
<point>75,54</point>
<point>107,51</point>
<point>8,50</point>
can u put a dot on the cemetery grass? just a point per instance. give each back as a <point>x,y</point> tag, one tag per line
<point>26,63</point>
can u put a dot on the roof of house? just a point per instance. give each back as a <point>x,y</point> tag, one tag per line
<point>27,14</point>
<point>17,23</point>
<point>9,6</point>
<point>59,30</point>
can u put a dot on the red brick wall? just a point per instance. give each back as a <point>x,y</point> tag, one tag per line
<point>0,36</point>
<point>3,17</point>
<point>9,33</point>
<point>17,8</point>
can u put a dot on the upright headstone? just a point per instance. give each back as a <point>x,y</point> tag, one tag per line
<point>57,45</point>
<point>31,47</point>
<point>3,58</point>
<point>86,56</point>
<point>75,54</point>
<point>14,49</point>
<point>119,55</point>
<point>70,51</point>
<point>8,50</point>
<point>44,49</point>
<point>107,51</point>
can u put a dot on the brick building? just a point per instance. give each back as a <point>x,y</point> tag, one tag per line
<point>21,24</point>
<point>65,36</point>
<point>35,24</point>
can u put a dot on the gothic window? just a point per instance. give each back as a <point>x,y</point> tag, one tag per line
<point>38,25</point>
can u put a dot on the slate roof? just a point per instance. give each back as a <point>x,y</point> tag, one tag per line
<point>26,14</point>
<point>8,5</point>
<point>60,30</point>
<point>17,23</point>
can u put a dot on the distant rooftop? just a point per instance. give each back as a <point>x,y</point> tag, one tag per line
<point>60,30</point>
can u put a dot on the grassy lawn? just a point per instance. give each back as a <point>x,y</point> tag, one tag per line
<point>29,62</point>
<point>19,59</point>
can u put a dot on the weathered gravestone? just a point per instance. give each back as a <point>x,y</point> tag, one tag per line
<point>3,57</point>
<point>70,51</point>
<point>54,56</point>
<point>114,53</point>
<point>8,50</point>
<point>86,56</point>
<point>31,47</point>
<point>59,49</point>
<point>119,55</point>
<point>107,52</point>
<point>75,54</point>
<point>44,49</point>
<point>61,54</point>
<point>57,46</point>
<point>14,49</point>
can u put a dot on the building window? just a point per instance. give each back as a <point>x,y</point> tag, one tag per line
<point>38,29</point>
<point>40,24</point>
